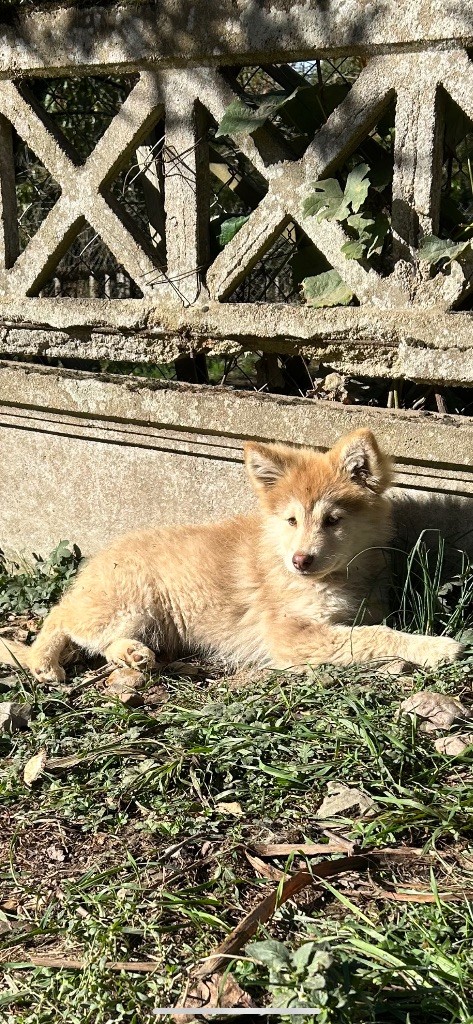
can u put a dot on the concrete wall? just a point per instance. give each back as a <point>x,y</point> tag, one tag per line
<point>86,457</point>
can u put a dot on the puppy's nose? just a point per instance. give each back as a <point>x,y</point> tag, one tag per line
<point>302,561</point>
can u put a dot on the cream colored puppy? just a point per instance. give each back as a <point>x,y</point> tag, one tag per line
<point>282,587</point>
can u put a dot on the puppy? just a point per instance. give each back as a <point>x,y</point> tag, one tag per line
<point>301,581</point>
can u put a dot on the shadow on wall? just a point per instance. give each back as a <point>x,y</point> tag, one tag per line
<point>441,515</point>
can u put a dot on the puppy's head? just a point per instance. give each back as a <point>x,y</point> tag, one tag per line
<point>322,509</point>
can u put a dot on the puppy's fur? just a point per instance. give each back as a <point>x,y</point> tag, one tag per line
<point>282,587</point>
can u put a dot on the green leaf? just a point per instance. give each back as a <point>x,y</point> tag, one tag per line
<point>371,235</point>
<point>378,233</point>
<point>357,186</point>
<point>354,249</point>
<point>326,202</point>
<point>433,249</point>
<point>271,953</point>
<point>240,119</point>
<point>230,228</point>
<point>303,955</point>
<point>326,289</point>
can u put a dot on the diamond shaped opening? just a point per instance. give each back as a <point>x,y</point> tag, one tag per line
<point>319,86</point>
<point>456,200</point>
<point>89,270</point>
<point>138,189</point>
<point>81,108</point>
<point>279,273</point>
<point>36,190</point>
<point>236,188</point>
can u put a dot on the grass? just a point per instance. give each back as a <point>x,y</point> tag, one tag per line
<point>136,850</point>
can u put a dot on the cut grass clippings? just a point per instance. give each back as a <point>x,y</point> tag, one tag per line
<point>151,834</point>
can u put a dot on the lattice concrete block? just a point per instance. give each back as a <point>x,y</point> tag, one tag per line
<point>81,189</point>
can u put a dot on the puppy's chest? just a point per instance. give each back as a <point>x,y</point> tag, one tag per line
<point>324,601</point>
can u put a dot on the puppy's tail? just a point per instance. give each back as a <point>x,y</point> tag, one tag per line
<point>13,653</point>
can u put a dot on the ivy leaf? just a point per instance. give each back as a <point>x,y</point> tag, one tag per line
<point>371,235</point>
<point>357,186</point>
<point>327,202</point>
<point>326,289</point>
<point>240,119</point>
<point>230,227</point>
<point>433,249</point>
<point>354,249</point>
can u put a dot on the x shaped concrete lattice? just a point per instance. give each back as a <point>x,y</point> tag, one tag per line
<point>81,199</point>
<point>414,79</point>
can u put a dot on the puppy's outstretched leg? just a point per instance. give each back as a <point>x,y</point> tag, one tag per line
<point>302,642</point>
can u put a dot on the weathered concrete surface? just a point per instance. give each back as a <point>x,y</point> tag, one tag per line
<point>85,458</point>
<point>126,34</point>
<point>430,345</point>
<point>81,189</point>
<point>223,412</point>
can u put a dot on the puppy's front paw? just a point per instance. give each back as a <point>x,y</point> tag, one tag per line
<point>46,671</point>
<point>430,651</point>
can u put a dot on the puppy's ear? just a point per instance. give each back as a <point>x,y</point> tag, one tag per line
<point>359,456</point>
<point>266,464</point>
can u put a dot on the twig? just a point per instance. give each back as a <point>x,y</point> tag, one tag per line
<point>140,966</point>
<point>265,910</point>
<point>285,849</point>
<point>266,870</point>
<point>346,844</point>
<point>421,897</point>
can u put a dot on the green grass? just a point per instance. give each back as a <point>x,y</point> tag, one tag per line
<point>126,854</point>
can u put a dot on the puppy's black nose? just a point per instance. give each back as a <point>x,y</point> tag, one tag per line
<point>302,561</point>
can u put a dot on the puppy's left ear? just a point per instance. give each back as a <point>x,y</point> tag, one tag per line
<point>359,456</point>
<point>266,464</point>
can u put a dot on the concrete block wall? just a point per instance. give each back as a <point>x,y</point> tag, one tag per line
<point>84,456</point>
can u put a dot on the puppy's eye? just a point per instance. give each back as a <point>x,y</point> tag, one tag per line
<point>292,521</point>
<point>332,519</point>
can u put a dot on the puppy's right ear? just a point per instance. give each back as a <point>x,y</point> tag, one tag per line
<point>266,464</point>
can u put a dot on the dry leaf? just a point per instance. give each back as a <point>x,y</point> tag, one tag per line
<point>438,710</point>
<point>231,808</point>
<point>14,716</point>
<point>344,800</point>
<point>34,767</point>
<point>213,992</point>
<point>124,684</point>
<point>130,678</point>
<point>57,853</point>
<point>454,745</point>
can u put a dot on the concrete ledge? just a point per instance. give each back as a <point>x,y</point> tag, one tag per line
<point>425,345</point>
<point>185,32</point>
<point>85,457</point>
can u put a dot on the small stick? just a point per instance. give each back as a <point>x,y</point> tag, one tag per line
<point>141,966</point>
<point>420,897</point>
<point>285,849</point>
<point>265,910</point>
<point>266,870</point>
